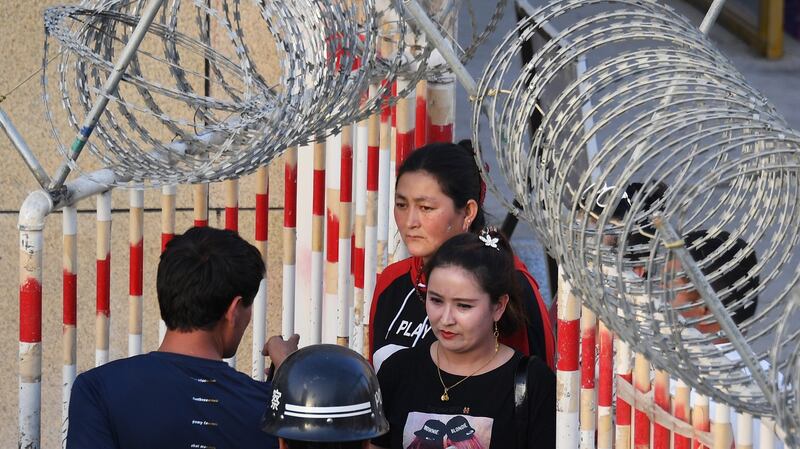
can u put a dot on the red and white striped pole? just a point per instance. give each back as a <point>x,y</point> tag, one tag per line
<point>624,374</point>
<point>393,234</point>
<point>588,411</point>
<point>345,200</point>
<point>744,431</point>
<point>135,271</point>
<point>441,110</point>
<point>260,301</point>
<point>231,188</point>
<point>103,282</point>
<point>700,419</point>
<point>371,228</point>
<point>289,241</point>
<point>605,389</point>
<point>721,431</point>
<point>567,373</point>
<point>333,151</point>
<point>641,422</point>
<point>683,412</point>
<point>661,434</point>
<point>168,194</point>
<point>30,336</point>
<point>360,186</point>
<point>200,197</point>
<point>766,437</point>
<point>69,334</point>
<point>167,214</point>
<point>404,145</point>
<point>421,114</point>
<point>385,188</point>
<point>317,238</point>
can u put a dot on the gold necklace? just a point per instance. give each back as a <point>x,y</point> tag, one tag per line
<point>445,397</point>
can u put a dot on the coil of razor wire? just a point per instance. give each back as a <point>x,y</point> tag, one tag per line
<point>640,114</point>
<point>786,375</point>
<point>218,116</point>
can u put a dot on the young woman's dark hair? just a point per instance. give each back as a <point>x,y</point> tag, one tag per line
<point>453,166</point>
<point>489,258</point>
<point>200,273</point>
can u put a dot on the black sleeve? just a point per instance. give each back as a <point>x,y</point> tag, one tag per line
<point>542,406</point>
<point>536,338</point>
<point>387,379</point>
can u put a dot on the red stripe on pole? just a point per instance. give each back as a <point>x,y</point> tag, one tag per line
<point>682,442</point>
<point>232,219</point>
<point>440,133</point>
<point>30,311</point>
<point>605,387</point>
<point>346,182</point>
<point>661,433</point>
<point>200,223</point>
<point>358,268</point>
<point>623,408</point>
<point>290,196</point>
<point>385,109</point>
<point>386,112</point>
<point>318,205</point>
<point>70,298</point>
<point>405,145</point>
<point>104,285</point>
<point>568,332</point>
<point>421,125</point>
<point>262,216</point>
<point>136,275</point>
<point>641,431</point>
<point>587,356</point>
<point>165,238</point>
<point>373,156</point>
<point>393,107</point>
<point>333,238</point>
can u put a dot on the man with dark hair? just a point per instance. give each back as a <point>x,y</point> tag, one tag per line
<point>716,253</point>
<point>184,395</point>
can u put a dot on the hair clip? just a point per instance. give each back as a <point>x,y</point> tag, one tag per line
<point>488,240</point>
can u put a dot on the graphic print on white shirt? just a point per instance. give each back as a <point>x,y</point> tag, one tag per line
<point>431,430</point>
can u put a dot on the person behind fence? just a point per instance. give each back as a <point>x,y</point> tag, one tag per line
<point>727,262</point>
<point>325,397</point>
<point>439,193</point>
<point>468,389</point>
<point>184,394</point>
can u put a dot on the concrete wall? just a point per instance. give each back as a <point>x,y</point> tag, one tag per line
<point>21,40</point>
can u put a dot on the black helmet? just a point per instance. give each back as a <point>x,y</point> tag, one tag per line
<point>325,393</point>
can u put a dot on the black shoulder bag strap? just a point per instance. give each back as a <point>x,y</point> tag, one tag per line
<point>521,401</point>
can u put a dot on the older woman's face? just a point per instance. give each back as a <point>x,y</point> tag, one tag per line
<point>425,216</point>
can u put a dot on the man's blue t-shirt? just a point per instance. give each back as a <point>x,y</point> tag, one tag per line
<point>166,400</point>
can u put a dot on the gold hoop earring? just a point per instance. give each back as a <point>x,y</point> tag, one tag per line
<point>496,337</point>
